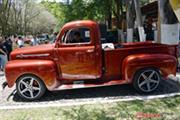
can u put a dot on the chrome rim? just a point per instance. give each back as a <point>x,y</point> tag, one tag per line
<point>148,80</point>
<point>29,87</point>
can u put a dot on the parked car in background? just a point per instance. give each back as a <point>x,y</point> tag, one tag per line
<point>27,39</point>
<point>43,38</point>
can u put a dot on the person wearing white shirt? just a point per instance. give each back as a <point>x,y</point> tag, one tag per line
<point>34,41</point>
<point>20,42</point>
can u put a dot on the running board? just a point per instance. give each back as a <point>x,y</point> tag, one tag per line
<point>81,84</point>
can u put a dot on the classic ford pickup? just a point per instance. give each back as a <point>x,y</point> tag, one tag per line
<point>79,60</point>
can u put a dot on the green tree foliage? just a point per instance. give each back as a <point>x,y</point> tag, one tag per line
<point>98,10</point>
<point>78,9</point>
<point>143,2</point>
<point>58,10</point>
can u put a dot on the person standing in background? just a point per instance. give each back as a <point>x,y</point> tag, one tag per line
<point>3,55</point>
<point>54,37</point>
<point>34,41</point>
<point>20,42</point>
<point>8,44</point>
<point>149,29</point>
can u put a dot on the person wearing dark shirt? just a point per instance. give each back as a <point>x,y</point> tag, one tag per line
<point>149,29</point>
<point>3,56</point>
<point>8,45</point>
<point>77,38</point>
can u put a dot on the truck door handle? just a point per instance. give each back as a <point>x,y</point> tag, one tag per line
<point>90,51</point>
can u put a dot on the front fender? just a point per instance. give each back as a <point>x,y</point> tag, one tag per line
<point>167,64</point>
<point>44,69</point>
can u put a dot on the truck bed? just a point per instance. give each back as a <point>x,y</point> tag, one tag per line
<point>114,57</point>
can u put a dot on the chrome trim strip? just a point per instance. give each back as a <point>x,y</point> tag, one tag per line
<point>32,55</point>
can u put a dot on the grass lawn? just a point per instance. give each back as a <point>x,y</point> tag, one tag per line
<point>158,109</point>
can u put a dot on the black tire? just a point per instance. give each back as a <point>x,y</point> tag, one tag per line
<point>147,80</point>
<point>30,87</point>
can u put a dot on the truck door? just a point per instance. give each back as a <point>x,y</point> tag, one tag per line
<point>79,57</point>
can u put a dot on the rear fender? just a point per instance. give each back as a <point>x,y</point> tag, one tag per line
<point>167,64</point>
<point>44,69</point>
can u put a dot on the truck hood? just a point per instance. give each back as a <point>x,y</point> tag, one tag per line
<point>33,51</point>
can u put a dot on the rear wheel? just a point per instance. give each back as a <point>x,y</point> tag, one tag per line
<point>30,87</point>
<point>147,80</point>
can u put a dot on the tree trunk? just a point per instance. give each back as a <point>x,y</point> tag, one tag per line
<point>130,17</point>
<point>4,19</point>
<point>139,20</point>
<point>109,15</point>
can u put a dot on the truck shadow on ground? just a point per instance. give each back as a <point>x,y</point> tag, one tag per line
<point>113,92</point>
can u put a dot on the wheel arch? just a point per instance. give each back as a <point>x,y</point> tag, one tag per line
<point>149,67</point>
<point>44,69</point>
<point>30,74</point>
<point>166,64</point>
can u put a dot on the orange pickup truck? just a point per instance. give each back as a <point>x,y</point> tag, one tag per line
<point>77,59</point>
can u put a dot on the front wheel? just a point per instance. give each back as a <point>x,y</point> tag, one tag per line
<point>147,80</point>
<point>30,87</point>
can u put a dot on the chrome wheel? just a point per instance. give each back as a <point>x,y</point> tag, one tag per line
<point>148,80</point>
<point>30,87</point>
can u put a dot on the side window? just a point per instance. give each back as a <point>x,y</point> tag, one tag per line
<point>77,35</point>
